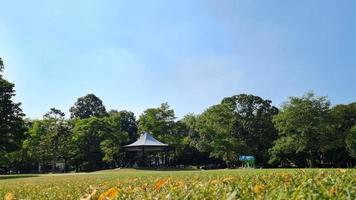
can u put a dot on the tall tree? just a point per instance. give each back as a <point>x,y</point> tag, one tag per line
<point>303,125</point>
<point>88,106</point>
<point>212,132</point>
<point>344,118</point>
<point>1,64</point>
<point>253,123</point>
<point>12,126</point>
<point>159,122</point>
<point>127,121</point>
<point>97,141</point>
<point>49,140</point>
<point>351,142</point>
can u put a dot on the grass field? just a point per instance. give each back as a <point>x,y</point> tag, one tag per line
<point>211,184</point>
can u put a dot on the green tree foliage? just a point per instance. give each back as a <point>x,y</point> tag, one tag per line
<point>1,65</point>
<point>49,140</point>
<point>333,149</point>
<point>303,126</point>
<point>214,133</point>
<point>12,126</point>
<point>88,106</point>
<point>253,125</point>
<point>97,141</point>
<point>351,141</point>
<point>240,125</point>
<point>127,121</point>
<point>159,122</point>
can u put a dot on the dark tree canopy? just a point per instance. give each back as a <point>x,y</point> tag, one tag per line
<point>88,106</point>
<point>343,134</point>
<point>1,65</point>
<point>127,121</point>
<point>253,124</point>
<point>54,113</point>
<point>11,123</point>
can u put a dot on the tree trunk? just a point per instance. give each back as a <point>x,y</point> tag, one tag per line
<point>311,159</point>
<point>53,165</point>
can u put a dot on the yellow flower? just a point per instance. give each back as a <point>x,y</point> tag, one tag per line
<point>144,186</point>
<point>10,196</point>
<point>227,179</point>
<point>110,194</point>
<point>177,184</point>
<point>341,170</point>
<point>129,189</point>
<point>257,188</point>
<point>333,191</point>
<point>214,182</point>
<point>302,170</point>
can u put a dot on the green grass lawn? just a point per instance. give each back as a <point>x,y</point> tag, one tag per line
<point>187,184</point>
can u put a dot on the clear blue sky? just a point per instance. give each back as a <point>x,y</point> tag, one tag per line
<point>137,54</point>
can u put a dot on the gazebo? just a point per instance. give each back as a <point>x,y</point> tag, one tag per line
<point>147,143</point>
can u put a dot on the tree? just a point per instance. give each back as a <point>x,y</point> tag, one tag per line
<point>351,142</point>
<point>12,126</point>
<point>1,65</point>
<point>159,122</point>
<point>343,117</point>
<point>54,113</point>
<point>49,140</point>
<point>239,125</point>
<point>97,141</point>
<point>115,139</point>
<point>304,124</point>
<point>253,125</point>
<point>213,133</point>
<point>88,106</point>
<point>127,121</point>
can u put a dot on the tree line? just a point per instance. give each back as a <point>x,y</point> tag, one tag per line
<point>305,131</point>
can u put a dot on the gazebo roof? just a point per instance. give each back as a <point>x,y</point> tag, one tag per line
<point>148,140</point>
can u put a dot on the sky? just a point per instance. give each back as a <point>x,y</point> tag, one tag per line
<point>136,55</point>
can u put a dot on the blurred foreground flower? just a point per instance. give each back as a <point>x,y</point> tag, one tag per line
<point>160,183</point>
<point>10,196</point>
<point>90,195</point>
<point>257,188</point>
<point>111,194</point>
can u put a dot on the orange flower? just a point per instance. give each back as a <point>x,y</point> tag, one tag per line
<point>10,196</point>
<point>160,183</point>
<point>110,194</point>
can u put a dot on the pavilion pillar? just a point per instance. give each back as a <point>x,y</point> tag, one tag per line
<point>143,156</point>
<point>165,156</point>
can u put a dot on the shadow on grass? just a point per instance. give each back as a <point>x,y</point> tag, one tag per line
<point>3,177</point>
